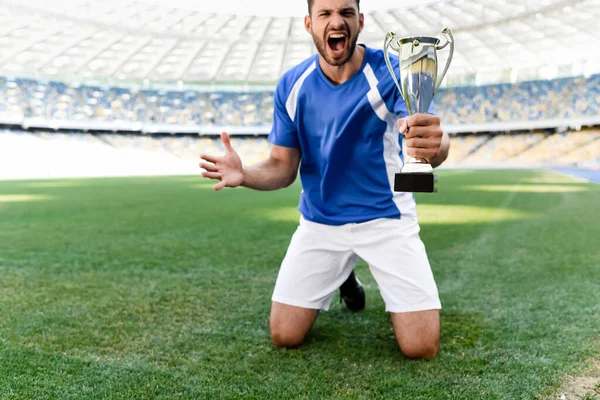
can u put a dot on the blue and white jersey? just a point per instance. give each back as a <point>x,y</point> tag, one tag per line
<point>350,143</point>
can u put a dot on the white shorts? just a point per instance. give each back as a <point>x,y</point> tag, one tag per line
<point>321,257</point>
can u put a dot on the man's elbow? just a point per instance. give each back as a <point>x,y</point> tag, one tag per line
<point>291,178</point>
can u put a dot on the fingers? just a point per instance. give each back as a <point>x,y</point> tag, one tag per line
<point>422,143</point>
<point>211,170</point>
<point>212,175</point>
<point>428,154</point>
<point>422,120</point>
<point>423,136</point>
<point>220,185</point>
<point>402,126</point>
<point>209,167</point>
<point>226,141</point>
<point>422,148</point>
<point>424,132</point>
<point>407,125</point>
<point>209,158</point>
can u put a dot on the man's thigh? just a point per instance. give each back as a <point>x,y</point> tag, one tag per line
<point>318,260</point>
<point>399,263</point>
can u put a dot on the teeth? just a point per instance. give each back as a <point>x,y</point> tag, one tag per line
<point>338,36</point>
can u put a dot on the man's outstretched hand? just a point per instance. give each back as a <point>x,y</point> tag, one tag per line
<point>227,169</point>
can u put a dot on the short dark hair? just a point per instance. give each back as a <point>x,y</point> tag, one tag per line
<point>310,4</point>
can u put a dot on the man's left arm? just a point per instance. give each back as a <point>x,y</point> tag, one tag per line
<point>425,138</point>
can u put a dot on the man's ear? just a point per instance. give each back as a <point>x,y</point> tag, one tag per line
<point>361,22</point>
<point>308,24</point>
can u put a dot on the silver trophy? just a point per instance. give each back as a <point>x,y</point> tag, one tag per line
<point>418,73</point>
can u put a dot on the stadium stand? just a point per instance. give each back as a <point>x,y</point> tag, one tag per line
<point>526,101</point>
<point>120,112</point>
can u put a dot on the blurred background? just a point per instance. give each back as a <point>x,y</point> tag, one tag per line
<point>127,87</point>
<point>155,287</point>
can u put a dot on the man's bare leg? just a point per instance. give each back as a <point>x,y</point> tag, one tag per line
<point>290,324</point>
<point>418,333</point>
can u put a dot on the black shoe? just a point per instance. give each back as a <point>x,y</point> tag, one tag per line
<point>353,294</point>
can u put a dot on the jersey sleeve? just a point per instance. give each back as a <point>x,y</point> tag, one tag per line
<point>284,132</point>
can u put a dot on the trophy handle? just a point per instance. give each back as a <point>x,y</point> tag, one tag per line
<point>449,40</point>
<point>389,38</point>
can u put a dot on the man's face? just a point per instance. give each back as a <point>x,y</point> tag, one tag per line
<point>334,26</point>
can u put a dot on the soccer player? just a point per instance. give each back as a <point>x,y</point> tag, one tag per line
<point>341,121</point>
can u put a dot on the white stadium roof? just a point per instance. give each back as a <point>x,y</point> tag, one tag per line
<point>205,41</point>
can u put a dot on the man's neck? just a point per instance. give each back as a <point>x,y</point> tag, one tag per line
<point>339,75</point>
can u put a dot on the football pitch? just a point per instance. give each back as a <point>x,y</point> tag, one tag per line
<point>139,288</point>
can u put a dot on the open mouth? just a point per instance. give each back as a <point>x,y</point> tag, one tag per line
<point>337,42</point>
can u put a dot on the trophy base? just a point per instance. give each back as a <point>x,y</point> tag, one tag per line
<point>415,182</point>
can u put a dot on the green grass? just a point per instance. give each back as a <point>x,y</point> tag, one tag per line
<point>160,288</point>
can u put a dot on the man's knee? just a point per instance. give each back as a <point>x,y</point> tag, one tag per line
<point>421,349</point>
<point>418,333</point>
<point>286,338</point>
<point>290,324</point>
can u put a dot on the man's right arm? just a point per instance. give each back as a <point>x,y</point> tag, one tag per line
<point>278,171</point>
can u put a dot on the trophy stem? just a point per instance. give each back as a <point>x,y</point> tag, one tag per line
<point>414,165</point>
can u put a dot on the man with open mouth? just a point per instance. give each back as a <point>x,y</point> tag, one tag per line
<point>340,121</point>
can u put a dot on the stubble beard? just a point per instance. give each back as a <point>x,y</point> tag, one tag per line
<point>332,61</point>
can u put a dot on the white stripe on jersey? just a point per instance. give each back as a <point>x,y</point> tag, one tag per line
<point>391,146</point>
<point>292,100</point>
